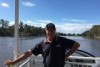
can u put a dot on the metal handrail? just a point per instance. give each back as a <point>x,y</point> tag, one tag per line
<point>72,63</point>
<point>26,62</point>
<point>78,61</point>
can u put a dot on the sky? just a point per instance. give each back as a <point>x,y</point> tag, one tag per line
<point>69,16</point>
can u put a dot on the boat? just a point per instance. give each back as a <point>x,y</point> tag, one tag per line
<point>84,59</point>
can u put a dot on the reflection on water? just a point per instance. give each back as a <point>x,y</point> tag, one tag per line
<point>6,46</point>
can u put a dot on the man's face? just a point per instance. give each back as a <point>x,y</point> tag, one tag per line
<point>50,31</point>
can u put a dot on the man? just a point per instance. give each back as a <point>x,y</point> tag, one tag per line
<point>53,49</point>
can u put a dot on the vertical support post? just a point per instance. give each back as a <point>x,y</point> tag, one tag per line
<point>16,29</point>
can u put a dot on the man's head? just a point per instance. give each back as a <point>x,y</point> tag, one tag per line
<point>50,26</point>
<point>50,29</point>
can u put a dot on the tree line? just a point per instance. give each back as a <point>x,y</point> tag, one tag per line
<point>94,32</point>
<point>29,30</point>
<point>24,29</point>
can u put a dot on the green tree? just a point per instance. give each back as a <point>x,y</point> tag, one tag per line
<point>21,28</point>
<point>4,24</point>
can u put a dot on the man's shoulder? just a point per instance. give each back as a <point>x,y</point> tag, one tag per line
<point>61,38</point>
<point>64,38</point>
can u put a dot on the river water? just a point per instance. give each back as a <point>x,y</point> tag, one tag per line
<point>7,43</point>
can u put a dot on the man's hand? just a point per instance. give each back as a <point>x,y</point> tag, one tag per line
<point>71,51</point>
<point>66,58</point>
<point>8,62</point>
<point>20,58</point>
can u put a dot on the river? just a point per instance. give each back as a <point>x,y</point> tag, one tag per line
<point>7,43</point>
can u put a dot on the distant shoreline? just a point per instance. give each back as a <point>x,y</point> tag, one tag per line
<point>96,37</point>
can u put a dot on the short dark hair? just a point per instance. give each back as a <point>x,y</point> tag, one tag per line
<point>50,25</point>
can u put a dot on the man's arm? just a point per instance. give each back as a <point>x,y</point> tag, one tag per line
<point>74,48</point>
<point>20,58</point>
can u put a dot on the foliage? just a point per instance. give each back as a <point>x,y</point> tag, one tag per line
<point>24,29</point>
<point>94,32</point>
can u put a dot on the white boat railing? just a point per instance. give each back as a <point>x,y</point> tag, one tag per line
<point>77,61</point>
<point>26,63</point>
<point>74,61</point>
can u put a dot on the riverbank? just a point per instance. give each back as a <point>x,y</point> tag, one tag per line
<point>94,37</point>
<point>97,37</point>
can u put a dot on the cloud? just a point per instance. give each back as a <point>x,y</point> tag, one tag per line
<point>78,20</point>
<point>29,4</point>
<point>11,23</point>
<point>37,24</point>
<point>45,21</point>
<point>61,27</point>
<point>74,20</point>
<point>73,27</point>
<point>4,5</point>
<point>64,19</point>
